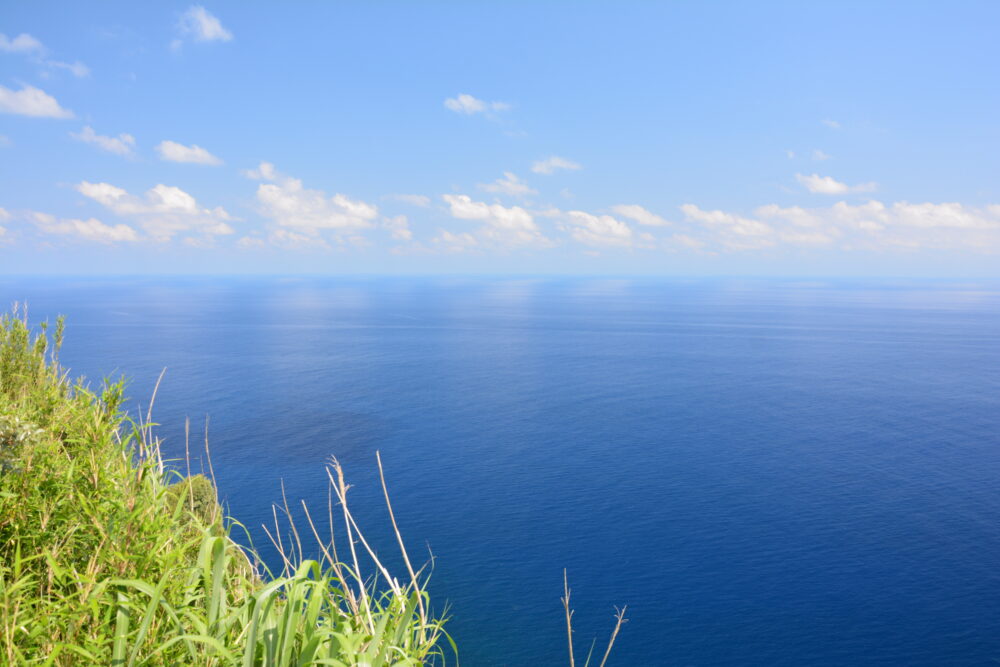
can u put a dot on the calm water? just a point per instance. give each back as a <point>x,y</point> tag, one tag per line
<point>766,473</point>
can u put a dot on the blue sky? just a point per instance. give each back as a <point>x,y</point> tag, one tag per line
<point>834,139</point>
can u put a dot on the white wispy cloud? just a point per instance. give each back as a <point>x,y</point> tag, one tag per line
<point>451,242</point>
<point>162,212</point>
<point>414,200</point>
<point>31,101</point>
<point>503,226</point>
<point>469,105</point>
<point>552,164</point>
<point>120,145</point>
<point>831,123</point>
<point>872,226</point>
<point>827,185</point>
<point>400,227</point>
<point>91,229</point>
<point>284,200</point>
<point>820,155</point>
<point>29,46</point>
<point>199,25</point>
<point>510,184</point>
<point>639,214</point>
<point>23,43</point>
<point>4,216</point>
<point>193,154</point>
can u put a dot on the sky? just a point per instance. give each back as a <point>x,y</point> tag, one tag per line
<point>667,138</point>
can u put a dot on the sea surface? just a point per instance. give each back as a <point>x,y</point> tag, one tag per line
<point>765,472</point>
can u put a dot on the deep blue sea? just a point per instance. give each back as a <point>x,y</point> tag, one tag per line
<point>766,472</point>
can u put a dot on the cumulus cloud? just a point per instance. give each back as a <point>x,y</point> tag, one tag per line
<point>510,184</point>
<point>172,151</point>
<point>505,226</point>
<point>469,105</point>
<point>285,201</point>
<point>31,101</point>
<point>120,145</point>
<point>199,25</point>
<point>598,230</point>
<point>826,185</point>
<point>162,212</point>
<point>639,214</point>
<point>91,229</point>
<point>552,164</point>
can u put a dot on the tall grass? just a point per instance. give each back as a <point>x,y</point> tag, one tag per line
<point>107,558</point>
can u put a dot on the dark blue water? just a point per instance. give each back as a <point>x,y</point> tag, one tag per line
<point>766,473</point>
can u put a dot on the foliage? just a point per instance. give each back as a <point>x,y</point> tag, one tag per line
<point>103,562</point>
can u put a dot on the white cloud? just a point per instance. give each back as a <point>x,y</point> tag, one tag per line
<point>469,105</point>
<point>826,185</point>
<point>720,219</point>
<point>511,226</point>
<point>831,123</point>
<point>285,201</point>
<point>23,43</point>
<point>31,101</point>
<point>28,45</point>
<point>193,154</point>
<point>594,230</point>
<point>455,242</point>
<point>4,215</point>
<point>510,184</point>
<point>870,226</point>
<point>91,229</point>
<point>163,212</point>
<point>639,214</point>
<point>553,163</point>
<point>77,69</point>
<point>820,155</point>
<point>790,154</point>
<point>201,26</point>
<point>414,200</point>
<point>287,238</point>
<point>4,140</point>
<point>120,145</point>
<point>248,242</point>
<point>400,228</point>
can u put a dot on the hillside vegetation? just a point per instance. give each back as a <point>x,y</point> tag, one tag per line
<point>107,557</point>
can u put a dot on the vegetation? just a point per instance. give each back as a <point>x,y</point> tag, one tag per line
<point>104,561</point>
<point>109,558</point>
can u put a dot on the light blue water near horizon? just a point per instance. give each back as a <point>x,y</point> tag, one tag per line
<point>766,472</point>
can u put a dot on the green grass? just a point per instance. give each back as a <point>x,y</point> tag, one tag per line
<point>108,558</point>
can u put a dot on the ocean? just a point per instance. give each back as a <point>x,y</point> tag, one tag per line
<point>765,472</point>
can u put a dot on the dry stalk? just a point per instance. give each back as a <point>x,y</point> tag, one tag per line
<point>569,618</point>
<point>402,548</point>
